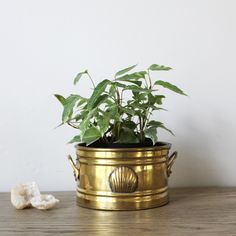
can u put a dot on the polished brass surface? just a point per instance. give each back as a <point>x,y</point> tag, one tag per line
<point>122,178</point>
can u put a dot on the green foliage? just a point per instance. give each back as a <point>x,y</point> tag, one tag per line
<point>158,67</point>
<point>119,109</point>
<point>78,76</point>
<point>97,92</point>
<point>123,71</point>
<point>169,86</point>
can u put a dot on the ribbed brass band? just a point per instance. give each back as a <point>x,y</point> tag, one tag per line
<point>122,203</point>
<point>122,161</point>
<point>111,194</point>
<point>123,154</point>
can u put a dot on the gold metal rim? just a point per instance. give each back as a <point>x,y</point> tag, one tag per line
<point>141,149</point>
<point>125,161</point>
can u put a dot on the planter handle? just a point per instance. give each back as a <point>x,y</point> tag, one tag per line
<point>170,162</point>
<point>76,170</point>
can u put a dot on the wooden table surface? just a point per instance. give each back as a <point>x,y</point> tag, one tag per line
<point>191,211</point>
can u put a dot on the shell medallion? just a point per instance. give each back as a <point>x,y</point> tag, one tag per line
<point>123,180</point>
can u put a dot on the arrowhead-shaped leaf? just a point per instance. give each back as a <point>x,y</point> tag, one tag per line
<point>169,86</point>
<point>103,122</point>
<point>133,76</point>
<point>152,134</point>
<point>68,107</point>
<point>163,127</point>
<point>91,135</point>
<point>159,67</point>
<point>154,123</point>
<point>78,76</point>
<point>76,139</point>
<point>158,99</point>
<point>100,100</point>
<point>99,89</point>
<point>157,124</point>
<point>121,72</point>
<point>127,136</point>
<point>60,98</point>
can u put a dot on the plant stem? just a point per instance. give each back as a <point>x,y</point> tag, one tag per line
<point>72,125</point>
<point>91,79</point>
<point>145,81</point>
<point>150,81</point>
<point>141,129</point>
<point>147,119</point>
<point>117,129</point>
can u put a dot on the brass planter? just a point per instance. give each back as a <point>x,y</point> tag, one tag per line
<point>122,178</point>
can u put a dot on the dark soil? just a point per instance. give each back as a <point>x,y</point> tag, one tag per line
<point>147,143</point>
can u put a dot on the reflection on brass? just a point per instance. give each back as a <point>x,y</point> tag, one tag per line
<point>122,178</point>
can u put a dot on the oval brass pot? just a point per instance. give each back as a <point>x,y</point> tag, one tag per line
<point>122,178</point>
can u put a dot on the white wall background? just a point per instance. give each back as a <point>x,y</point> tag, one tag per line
<point>43,44</point>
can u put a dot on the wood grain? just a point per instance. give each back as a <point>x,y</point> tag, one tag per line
<point>191,211</point>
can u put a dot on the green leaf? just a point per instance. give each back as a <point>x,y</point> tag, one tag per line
<point>128,111</point>
<point>117,84</point>
<point>133,76</point>
<point>60,98</point>
<point>127,136</point>
<point>78,76</point>
<point>103,123</point>
<point>139,83</point>
<point>169,86</point>
<point>85,124</point>
<point>121,72</point>
<point>76,139</point>
<point>100,100</point>
<point>152,100</point>
<point>158,99</point>
<point>129,124</point>
<point>141,96</point>
<point>154,67</point>
<point>68,107</point>
<point>155,108</point>
<point>82,101</point>
<point>114,113</point>
<point>112,89</point>
<point>98,90</point>
<point>135,88</point>
<point>77,117</point>
<point>154,123</point>
<point>157,124</point>
<point>163,127</point>
<point>109,102</point>
<point>91,135</point>
<point>152,134</point>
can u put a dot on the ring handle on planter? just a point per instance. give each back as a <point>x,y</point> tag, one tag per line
<point>74,167</point>
<point>170,162</point>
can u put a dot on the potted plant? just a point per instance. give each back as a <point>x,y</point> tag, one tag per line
<point>120,163</point>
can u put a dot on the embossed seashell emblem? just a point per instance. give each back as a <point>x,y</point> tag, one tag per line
<point>123,180</point>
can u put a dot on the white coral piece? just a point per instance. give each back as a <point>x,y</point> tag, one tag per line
<point>28,194</point>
